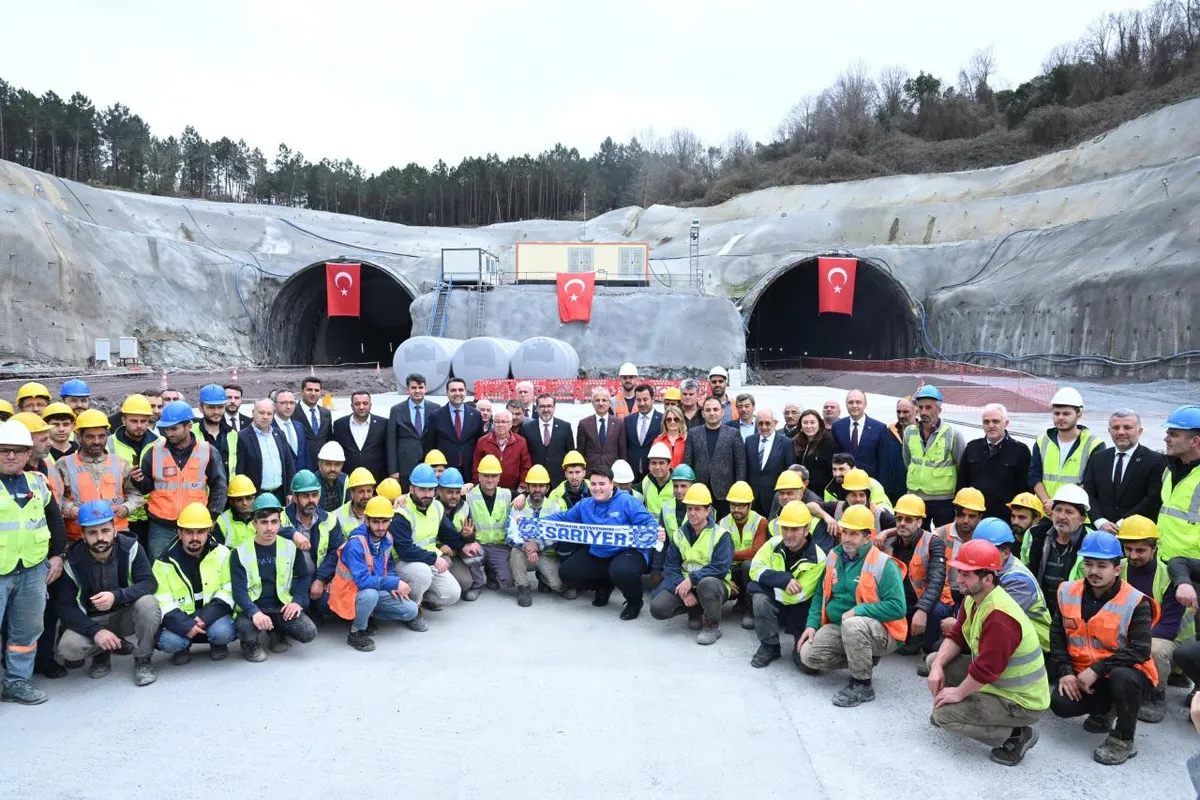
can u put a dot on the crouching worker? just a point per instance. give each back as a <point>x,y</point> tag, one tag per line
<point>784,576</point>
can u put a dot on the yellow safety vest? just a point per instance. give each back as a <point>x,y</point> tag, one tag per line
<point>1023,681</point>
<point>1179,517</point>
<point>235,532</point>
<point>932,473</point>
<point>490,527</point>
<point>24,536</point>
<point>424,526</point>
<point>285,562</point>
<point>697,555</point>
<point>175,590</point>
<point>743,537</point>
<point>1056,474</point>
<point>807,573</point>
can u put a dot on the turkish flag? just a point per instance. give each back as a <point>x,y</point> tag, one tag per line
<point>342,290</point>
<point>575,291</point>
<point>835,277</point>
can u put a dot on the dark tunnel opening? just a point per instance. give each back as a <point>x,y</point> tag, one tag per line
<point>302,333</point>
<point>785,325</point>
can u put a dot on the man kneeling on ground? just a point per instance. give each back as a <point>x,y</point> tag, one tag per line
<point>784,576</point>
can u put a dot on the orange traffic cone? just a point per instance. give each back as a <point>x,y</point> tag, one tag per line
<point>327,401</point>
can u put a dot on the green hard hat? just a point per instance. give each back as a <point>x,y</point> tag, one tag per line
<point>305,481</point>
<point>683,473</point>
<point>266,502</point>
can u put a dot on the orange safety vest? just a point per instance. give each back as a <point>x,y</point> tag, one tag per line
<point>82,488</point>
<point>952,544</point>
<point>1103,634</point>
<point>918,571</point>
<point>175,488</point>
<point>867,590</point>
<point>343,591</point>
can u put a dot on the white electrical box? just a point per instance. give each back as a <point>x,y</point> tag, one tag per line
<point>129,348</point>
<point>103,352</point>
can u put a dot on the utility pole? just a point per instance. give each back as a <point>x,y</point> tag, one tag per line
<point>694,256</point>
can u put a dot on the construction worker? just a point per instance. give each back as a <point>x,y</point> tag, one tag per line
<point>841,465</point>
<point>323,534</point>
<point>39,456</point>
<point>235,526</point>
<point>1100,649</point>
<point>927,595</point>
<point>213,427</point>
<point>330,459</point>
<point>1015,578</point>
<point>436,459</point>
<point>93,473</point>
<point>76,394</point>
<point>861,614</point>
<point>194,592</point>
<point>33,397</point>
<point>34,538</point>
<point>466,569</point>
<point>364,586</point>
<point>266,576</point>
<point>1055,542</point>
<point>656,485</point>
<point>932,451</point>
<point>784,576</point>
<point>129,441</point>
<point>790,486</point>
<point>178,470</point>
<point>105,594</point>
<point>6,410</point>
<point>969,507</point>
<point>696,573</point>
<point>1061,454</point>
<point>623,477</point>
<point>747,530</point>
<point>670,517</point>
<point>361,485</point>
<point>857,489</point>
<point>61,420</point>
<point>1024,511</point>
<point>988,679</point>
<point>536,555</point>
<point>488,504</point>
<point>672,397</point>
<point>1179,517</point>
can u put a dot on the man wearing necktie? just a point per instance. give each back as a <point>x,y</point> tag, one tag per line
<point>406,425</point>
<point>1125,479</point>
<point>768,454</point>
<point>861,436</point>
<point>598,442</point>
<point>293,431</point>
<point>640,428</point>
<point>454,428</point>
<point>549,439</point>
<point>317,421</point>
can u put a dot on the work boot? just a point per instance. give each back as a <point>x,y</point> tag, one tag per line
<point>570,593</point>
<point>493,584</point>
<point>101,665</point>
<point>143,671</point>
<point>471,595</point>
<point>218,652</point>
<point>695,622</point>
<point>253,652</point>
<point>429,605</point>
<point>277,642</point>
<point>765,654</point>
<point>922,665</point>
<point>1012,751</point>
<point>800,665</point>
<point>184,656</point>
<point>418,624</point>
<point>631,610</point>
<point>1178,680</point>
<point>601,597</point>
<point>1155,706</point>
<point>710,632</point>
<point>909,648</point>
<point>79,663</point>
<point>23,692</point>
<point>52,670</point>
<point>360,641</point>
<point>543,588</point>
<point>1115,750</point>
<point>372,627</point>
<point>524,597</point>
<point>1099,723</point>
<point>853,694</point>
<point>748,618</point>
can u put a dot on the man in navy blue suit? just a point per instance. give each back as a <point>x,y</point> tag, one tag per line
<point>861,436</point>
<point>640,430</point>
<point>768,454</point>
<point>454,428</point>
<point>263,454</point>
<point>292,428</point>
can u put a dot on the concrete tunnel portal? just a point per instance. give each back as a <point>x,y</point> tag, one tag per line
<point>301,332</point>
<point>783,323</point>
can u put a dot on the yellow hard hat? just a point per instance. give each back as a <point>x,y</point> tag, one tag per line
<point>795,515</point>
<point>911,505</point>
<point>91,419</point>
<point>858,518</point>
<point>673,393</point>
<point>697,495</point>
<point>32,389</point>
<point>574,459</point>
<point>379,508</point>
<point>970,498</point>
<point>435,458</point>
<point>32,421</point>
<point>6,408</point>
<point>537,474</point>
<point>360,477</point>
<point>490,465</point>
<point>137,404</point>
<point>58,409</point>
<point>740,492</point>
<point>241,486</point>
<point>195,517</point>
<point>1028,500</point>
<point>789,480</point>
<point>389,488</point>
<point>857,480</point>
<point>1137,527</point>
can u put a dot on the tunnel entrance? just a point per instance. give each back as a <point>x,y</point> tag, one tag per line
<point>784,323</point>
<point>302,333</point>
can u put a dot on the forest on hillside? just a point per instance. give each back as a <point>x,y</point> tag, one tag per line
<point>865,125</point>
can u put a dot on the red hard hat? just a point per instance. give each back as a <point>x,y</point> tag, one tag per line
<point>978,554</point>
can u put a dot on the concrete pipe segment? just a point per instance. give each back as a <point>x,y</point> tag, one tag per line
<point>426,355</point>
<point>483,358</point>
<point>545,357</point>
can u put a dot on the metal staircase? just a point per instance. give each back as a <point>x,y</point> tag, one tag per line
<point>441,309</point>
<point>478,326</point>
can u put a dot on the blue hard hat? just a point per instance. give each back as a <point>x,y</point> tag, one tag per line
<point>424,477</point>
<point>174,413</point>
<point>928,392</point>
<point>994,530</point>
<point>212,395</point>
<point>1101,544</point>
<point>1185,418</point>
<point>451,478</point>
<point>75,388</point>
<point>95,512</point>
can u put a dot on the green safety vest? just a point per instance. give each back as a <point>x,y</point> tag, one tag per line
<point>931,470</point>
<point>878,496</point>
<point>655,496</point>
<point>235,532</point>
<point>424,526</point>
<point>669,522</point>
<point>807,573</point>
<point>1179,517</point>
<point>744,537</point>
<point>560,492</point>
<point>230,445</point>
<point>1038,613</point>
<point>285,563</point>
<point>490,527</point>
<point>1054,475</point>
<point>175,590</point>
<point>1162,582</point>
<point>24,536</point>
<point>325,528</point>
<point>697,555</point>
<point>346,518</point>
<point>126,452</point>
<point>774,531</point>
<point>1024,680</point>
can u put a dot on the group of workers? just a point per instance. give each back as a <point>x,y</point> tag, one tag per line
<point>126,540</point>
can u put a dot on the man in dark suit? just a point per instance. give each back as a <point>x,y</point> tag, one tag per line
<point>997,464</point>
<point>233,405</point>
<point>292,428</point>
<point>317,421</point>
<point>745,421</point>
<point>263,454</point>
<point>640,429</point>
<point>716,453</point>
<point>406,423</point>
<point>768,454</point>
<point>455,428</point>
<point>1124,479</point>
<point>599,436</point>
<point>549,439</point>
<point>861,436</point>
<point>363,437</point>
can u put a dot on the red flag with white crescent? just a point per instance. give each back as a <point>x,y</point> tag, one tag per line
<point>835,278</point>
<point>575,292</point>
<point>342,290</point>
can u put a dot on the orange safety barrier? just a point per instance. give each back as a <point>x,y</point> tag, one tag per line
<point>570,390</point>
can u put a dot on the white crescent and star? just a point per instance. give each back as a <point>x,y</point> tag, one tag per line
<point>567,288</point>
<point>349,282</point>
<point>837,287</point>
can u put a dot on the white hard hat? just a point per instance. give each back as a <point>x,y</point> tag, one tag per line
<point>622,472</point>
<point>719,370</point>
<point>628,370</point>
<point>331,451</point>
<point>1071,493</point>
<point>1067,396</point>
<point>660,450</point>
<point>14,434</point>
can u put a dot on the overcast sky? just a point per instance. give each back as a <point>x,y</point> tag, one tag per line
<point>386,83</point>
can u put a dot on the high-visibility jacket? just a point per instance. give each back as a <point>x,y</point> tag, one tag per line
<point>175,591</point>
<point>655,496</point>
<point>346,517</point>
<point>670,521</point>
<point>807,573</point>
<point>878,495</point>
<point>918,570</point>
<point>490,526</point>
<point>325,527</point>
<point>1015,575</point>
<point>950,536</point>
<point>774,529</point>
<point>842,505</point>
<point>134,457</point>
<point>1054,472</point>
<point>1105,633</point>
<point>175,488</point>
<point>698,554</point>
<point>425,526</point>
<point>285,565</point>
<point>233,531</point>
<point>343,591</point>
<point>1023,680</point>
<point>742,537</point>
<point>82,488</point>
<point>867,590</point>
<point>932,473</point>
<point>560,493</point>
<point>231,441</point>
<point>24,535</point>
<point>1162,582</point>
<point>1179,517</point>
